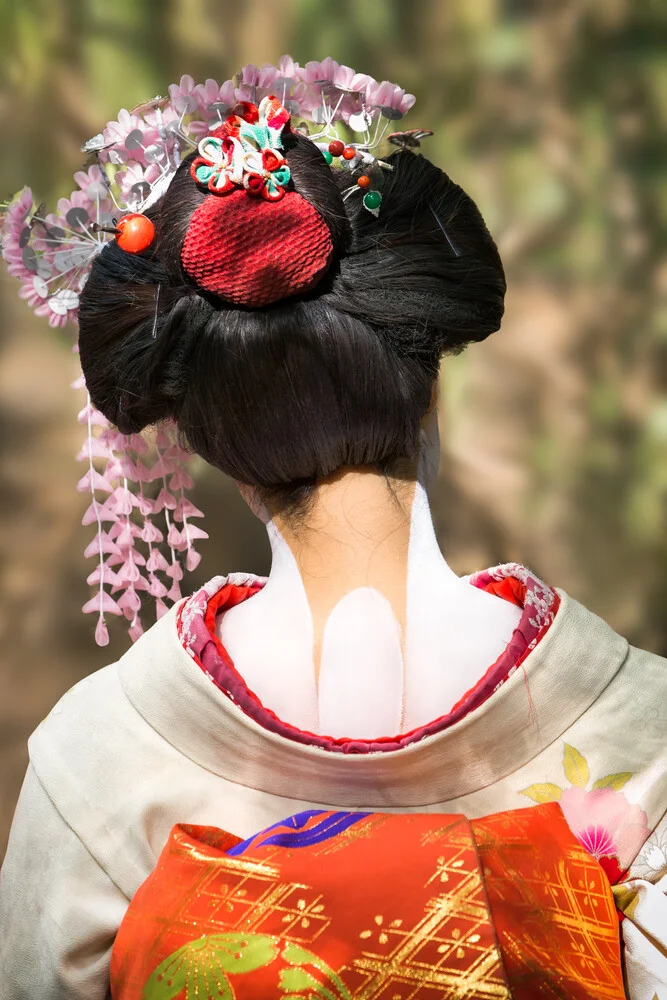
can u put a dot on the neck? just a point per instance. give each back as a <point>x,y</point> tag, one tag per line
<point>366,629</point>
<point>363,531</point>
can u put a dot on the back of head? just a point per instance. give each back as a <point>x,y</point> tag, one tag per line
<point>282,313</point>
<point>280,395</point>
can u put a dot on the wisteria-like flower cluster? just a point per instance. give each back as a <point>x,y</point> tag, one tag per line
<point>136,157</point>
<point>141,480</point>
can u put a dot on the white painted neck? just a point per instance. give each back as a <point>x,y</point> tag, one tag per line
<point>363,629</point>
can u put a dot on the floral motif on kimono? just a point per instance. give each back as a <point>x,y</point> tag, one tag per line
<point>610,828</point>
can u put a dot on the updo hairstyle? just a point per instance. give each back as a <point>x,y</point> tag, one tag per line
<point>281,396</point>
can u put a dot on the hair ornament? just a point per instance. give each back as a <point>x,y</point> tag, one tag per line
<point>410,139</point>
<point>249,253</point>
<point>246,151</point>
<point>371,183</point>
<point>134,232</point>
<point>137,484</point>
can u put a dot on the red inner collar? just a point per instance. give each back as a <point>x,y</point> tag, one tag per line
<point>201,641</point>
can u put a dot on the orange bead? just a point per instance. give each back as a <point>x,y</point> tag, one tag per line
<point>136,232</point>
<point>349,153</point>
<point>364,181</point>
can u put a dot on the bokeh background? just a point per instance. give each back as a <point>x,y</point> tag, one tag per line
<point>552,114</point>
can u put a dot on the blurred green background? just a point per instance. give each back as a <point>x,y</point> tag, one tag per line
<point>554,432</point>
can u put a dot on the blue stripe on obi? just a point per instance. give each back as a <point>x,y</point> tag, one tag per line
<point>298,831</point>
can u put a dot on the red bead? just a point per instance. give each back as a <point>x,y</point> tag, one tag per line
<point>136,232</point>
<point>364,181</point>
<point>336,147</point>
<point>349,153</point>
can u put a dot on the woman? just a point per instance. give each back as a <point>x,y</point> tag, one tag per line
<point>292,326</point>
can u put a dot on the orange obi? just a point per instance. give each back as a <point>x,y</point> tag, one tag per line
<point>373,906</point>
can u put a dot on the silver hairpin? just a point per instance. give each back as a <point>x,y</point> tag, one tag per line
<point>157,303</point>
<point>437,219</point>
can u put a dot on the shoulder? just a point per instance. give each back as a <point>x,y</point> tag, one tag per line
<point>639,697</point>
<point>651,665</point>
<point>84,754</point>
<point>59,910</point>
<point>118,756</point>
<point>108,772</point>
<point>95,727</point>
<point>93,713</point>
<point>628,716</point>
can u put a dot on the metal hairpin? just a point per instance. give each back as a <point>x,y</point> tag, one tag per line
<point>157,303</point>
<point>437,219</point>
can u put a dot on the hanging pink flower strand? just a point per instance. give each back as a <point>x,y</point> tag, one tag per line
<point>139,480</point>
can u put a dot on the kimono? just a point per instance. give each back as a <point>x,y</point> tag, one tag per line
<point>570,717</point>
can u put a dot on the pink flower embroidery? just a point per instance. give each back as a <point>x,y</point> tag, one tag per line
<point>609,827</point>
<point>605,823</point>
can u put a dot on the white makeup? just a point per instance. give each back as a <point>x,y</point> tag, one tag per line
<point>454,631</point>
<point>373,681</point>
<point>270,640</point>
<point>361,672</point>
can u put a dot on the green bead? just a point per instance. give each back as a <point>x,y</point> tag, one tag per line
<point>372,199</point>
<point>327,156</point>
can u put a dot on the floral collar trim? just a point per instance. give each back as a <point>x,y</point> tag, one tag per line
<point>196,621</point>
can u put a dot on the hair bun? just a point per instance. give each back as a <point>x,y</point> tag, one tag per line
<point>254,252</point>
<point>280,397</point>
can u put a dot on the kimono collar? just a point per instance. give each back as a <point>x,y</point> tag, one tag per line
<point>567,657</point>
<point>196,626</point>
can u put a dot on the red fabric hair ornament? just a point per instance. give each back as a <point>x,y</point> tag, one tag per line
<point>252,241</point>
<point>252,252</point>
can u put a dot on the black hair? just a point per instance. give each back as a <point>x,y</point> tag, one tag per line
<point>281,396</point>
